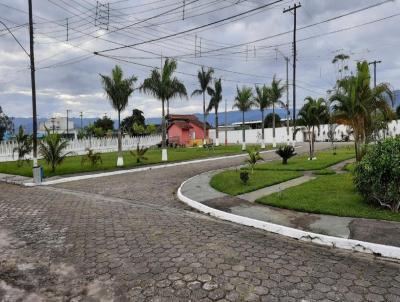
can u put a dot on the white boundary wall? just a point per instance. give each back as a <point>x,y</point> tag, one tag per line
<point>78,147</point>
<point>253,136</point>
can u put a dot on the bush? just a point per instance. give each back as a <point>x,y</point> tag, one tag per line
<point>244,177</point>
<point>93,158</point>
<point>285,152</point>
<point>377,175</point>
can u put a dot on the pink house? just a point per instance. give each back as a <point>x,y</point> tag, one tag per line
<point>185,129</point>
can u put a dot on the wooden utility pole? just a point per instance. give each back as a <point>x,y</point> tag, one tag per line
<point>294,9</point>
<point>226,124</point>
<point>81,115</point>
<point>68,123</point>
<point>374,63</point>
<point>33,85</point>
<point>287,93</point>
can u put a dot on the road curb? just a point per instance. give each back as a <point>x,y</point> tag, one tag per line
<point>335,242</point>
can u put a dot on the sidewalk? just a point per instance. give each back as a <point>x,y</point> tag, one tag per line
<point>369,230</point>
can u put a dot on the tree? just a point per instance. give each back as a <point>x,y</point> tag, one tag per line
<point>313,113</point>
<point>354,103</point>
<point>243,102</point>
<point>254,157</point>
<point>268,121</point>
<point>5,124</point>
<point>105,123</point>
<point>398,112</point>
<point>164,86</point>
<point>275,95</point>
<point>52,149</point>
<point>205,78</point>
<point>118,90</point>
<point>24,145</point>
<point>137,117</point>
<point>341,61</point>
<point>216,97</point>
<point>263,101</point>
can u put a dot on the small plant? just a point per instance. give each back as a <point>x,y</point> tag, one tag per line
<point>93,158</point>
<point>254,157</point>
<point>334,149</point>
<point>244,177</point>
<point>24,146</point>
<point>52,149</point>
<point>285,152</point>
<point>139,153</point>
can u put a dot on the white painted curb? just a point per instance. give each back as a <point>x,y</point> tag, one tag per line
<point>336,242</point>
<point>147,168</point>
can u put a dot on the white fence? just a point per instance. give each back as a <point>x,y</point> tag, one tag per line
<point>78,147</point>
<point>253,136</point>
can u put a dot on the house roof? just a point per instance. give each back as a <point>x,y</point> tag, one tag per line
<point>187,118</point>
<point>181,124</point>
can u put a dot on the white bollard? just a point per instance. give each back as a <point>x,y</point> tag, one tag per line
<point>243,146</point>
<point>120,161</point>
<point>164,155</point>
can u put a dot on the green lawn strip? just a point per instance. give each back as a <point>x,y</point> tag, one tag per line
<point>229,181</point>
<point>301,162</point>
<point>73,165</point>
<point>331,195</point>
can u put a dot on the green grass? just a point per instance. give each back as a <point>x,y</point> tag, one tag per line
<point>229,181</point>
<point>73,165</point>
<point>301,162</point>
<point>331,195</point>
<point>324,172</point>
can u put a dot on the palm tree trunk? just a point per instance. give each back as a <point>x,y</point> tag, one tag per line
<point>167,107</point>
<point>310,143</point>
<point>273,125</point>
<point>216,127</point>
<point>243,133</point>
<point>204,118</point>
<point>120,160</point>
<point>262,130</point>
<point>164,156</point>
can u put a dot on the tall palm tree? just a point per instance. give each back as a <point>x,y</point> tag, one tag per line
<point>275,95</point>
<point>216,97</point>
<point>313,113</point>
<point>164,86</point>
<point>243,102</point>
<point>354,103</point>
<point>118,90</point>
<point>263,101</point>
<point>205,78</point>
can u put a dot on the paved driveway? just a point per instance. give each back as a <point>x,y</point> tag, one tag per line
<point>127,238</point>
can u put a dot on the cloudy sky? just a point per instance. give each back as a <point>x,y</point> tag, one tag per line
<point>246,50</point>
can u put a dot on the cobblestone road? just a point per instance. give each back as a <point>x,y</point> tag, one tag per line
<point>127,238</point>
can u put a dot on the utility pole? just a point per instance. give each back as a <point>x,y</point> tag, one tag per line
<point>374,63</point>
<point>33,84</point>
<point>287,94</point>
<point>52,122</point>
<point>68,123</point>
<point>81,115</point>
<point>294,9</point>
<point>67,30</point>
<point>226,124</point>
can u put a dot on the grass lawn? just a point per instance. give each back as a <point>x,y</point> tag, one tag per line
<point>329,194</point>
<point>73,164</point>
<point>229,181</point>
<point>301,162</point>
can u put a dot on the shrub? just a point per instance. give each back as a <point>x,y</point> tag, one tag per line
<point>285,152</point>
<point>52,149</point>
<point>139,153</point>
<point>24,146</point>
<point>377,176</point>
<point>254,157</point>
<point>244,177</point>
<point>93,158</point>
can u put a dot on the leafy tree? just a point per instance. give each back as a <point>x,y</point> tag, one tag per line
<point>313,113</point>
<point>137,117</point>
<point>164,86</point>
<point>118,90</point>
<point>24,146</point>
<point>205,78</point>
<point>285,152</point>
<point>268,121</point>
<point>341,61</point>
<point>52,149</point>
<point>5,124</point>
<point>216,98</point>
<point>354,104</point>
<point>263,101</point>
<point>254,157</point>
<point>93,158</point>
<point>105,123</point>
<point>243,102</point>
<point>276,92</point>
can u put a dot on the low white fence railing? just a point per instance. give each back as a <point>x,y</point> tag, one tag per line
<point>79,147</point>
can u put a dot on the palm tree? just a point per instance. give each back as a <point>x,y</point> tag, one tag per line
<point>164,86</point>
<point>313,113</point>
<point>205,78</point>
<point>243,102</point>
<point>118,91</point>
<point>24,145</point>
<point>275,95</point>
<point>216,97</point>
<point>52,149</point>
<point>354,103</point>
<point>263,100</point>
